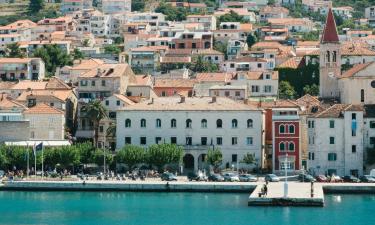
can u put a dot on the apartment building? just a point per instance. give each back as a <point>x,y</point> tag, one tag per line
<point>21,69</point>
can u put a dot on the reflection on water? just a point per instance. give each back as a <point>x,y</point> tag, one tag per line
<point>336,198</point>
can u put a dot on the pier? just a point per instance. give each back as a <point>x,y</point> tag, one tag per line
<point>299,194</point>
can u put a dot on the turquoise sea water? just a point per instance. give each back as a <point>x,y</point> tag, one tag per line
<point>173,209</point>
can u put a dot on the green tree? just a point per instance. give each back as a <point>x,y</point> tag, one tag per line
<point>251,40</point>
<point>248,159</point>
<point>231,17</point>
<point>35,6</point>
<point>77,54</point>
<point>95,111</point>
<point>53,57</point>
<point>98,157</point>
<point>286,91</point>
<point>204,66</point>
<point>112,49</point>
<point>311,36</point>
<point>131,155</point>
<point>214,158</point>
<point>86,43</point>
<point>172,13</point>
<point>221,47</point>
<point>13,51</point>
<point>311,90</point>
<point>17,156</point>
<point>160,155</point>
<point>138,5</point>
<point>3,158</point>
<point>85,151</point>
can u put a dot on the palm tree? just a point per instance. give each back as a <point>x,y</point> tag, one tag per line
<point>95,111</point>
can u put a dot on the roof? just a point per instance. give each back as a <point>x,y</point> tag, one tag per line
<point>142,79</point>
<point>355,69</point>
<point>290,21</point>
<point>280,103</point>
<point>8,103</point>
<point>56,83</point>
<point>16,60</point>
<point>190,104</point>
<point>33,85</point>
<point>274,9</point>
<point>247,59</point>
<point>228,87</point>
<point>258,75</point>
<point>174,83</point>
<point>214,77</point>
<point>294,63</point>
<point>106,70</point>
<point>335,111</point>
<point>330,32</point>
<point>42,108</point>
<point>177,59</point>
<point>124,99</point>
<point>86,64</point>
<point>62,95</point>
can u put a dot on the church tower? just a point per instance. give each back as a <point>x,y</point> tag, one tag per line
<point>330,59</point>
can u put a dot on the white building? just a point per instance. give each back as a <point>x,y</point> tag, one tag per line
<point>336,141</point>
<point>197,124</point>
<point>116,6</point>
<point>71,6</point>
<point>22,69</point>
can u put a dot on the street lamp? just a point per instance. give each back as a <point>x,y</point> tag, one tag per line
<point>286,174</point>
<point>104,159</point>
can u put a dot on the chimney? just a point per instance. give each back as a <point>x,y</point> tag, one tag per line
<point>213,99</point>
<point>99,72</point>
<point>182,100</point>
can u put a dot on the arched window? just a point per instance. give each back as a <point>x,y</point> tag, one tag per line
<point>188,123</point>
<point>158,122</point>
<point>143,123</point>
<point>234,123</point>
<point>281,129</point>
<point>249,123</point>
<point>291,129</point>
<point>204,123</point>
<point>282,146</point>
<point>334,56</point>
<point>128,123</point>
<point>219,123</point>
<point>173,123</point>
<point>291,146</point>
<point>328,57</point>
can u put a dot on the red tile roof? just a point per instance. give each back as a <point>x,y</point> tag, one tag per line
<point>355,70</point>
<point>330,32</point>
<point>43,108</point>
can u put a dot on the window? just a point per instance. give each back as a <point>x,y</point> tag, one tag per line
<point>219,123</point>
<point>291,129</point>
<point>158,123</point>
<point>332,156</point>
<point>92,83</point>
<point>143,123</point>
<point>237,94</point>
<point>286,165</point>
<point>310,124</point>
<point>157,140</point>
<point>362,95</point>
<point>234,157</point>
<point>227,94</point>
<point>118,102</point>
<point>259,65</point>
<point>189,140</point>
<point>203,140</point>
<point>219,140</point>
<point>106,102</point>
<point>234,123</point>
<point>291,146</point>
<point>372,124</point>
<point>281,129</point>
<point>331,124</point>
<point>311,156</point>
<point>143,141</point>
<point>83,83</point>
<point>128,123</point>
<point>282,146</point>
<point>249,123</point>
<point>234,140</point>
<point>128,140</point>
<point>254,88</point>
<point>354,148</point>
<point>163,94</point>
<point>204,123</point>
<point>232,65</point>
<point>173,123</point>
<point>188,123</point>
<point>173,140</point>
<point>249,140</point>
<point>332,140</point>
<point>101,129</point>
<point>267,88</point>
<point>103,83</point>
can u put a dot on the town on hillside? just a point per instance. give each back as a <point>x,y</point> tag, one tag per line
<point>254,85</point>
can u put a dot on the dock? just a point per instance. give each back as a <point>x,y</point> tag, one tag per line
<point>299,194</point>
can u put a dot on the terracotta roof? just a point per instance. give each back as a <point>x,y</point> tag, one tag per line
<point>214,77</point>
<point>293,63</point>
<point>190,104</point>
<point>4,85</point>
<point>274,9</point>
<point>351,72</point>
<point>124,99</point>
<point>107,70</point>
<point>33,85</point>
<point>258,75</point>
<point>168,59</point>
<point>178,52</point>
<point>247,59</point>
<point>290,21</point>
<point>16,60</point>
<point>57,84</point>
<point>142,79</point>
<point>86,64</point>
<point>7,102</point>
<point>61,95</point>
<point>207,52</point>
<point>175,83</point>
<point>335,111</point>
<point>276,104</point>
<point>42,108</point>
<point>330,32</point>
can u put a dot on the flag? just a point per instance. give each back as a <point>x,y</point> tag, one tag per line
<point>37,147</point>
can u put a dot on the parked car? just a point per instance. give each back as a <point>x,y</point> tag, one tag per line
<point>248,178</point>
<point>231,177</point>
<point>168,177</point>
<point>351,179</point>
<point>321,178</point>
<point>216,177</point>
<point>367,179</point>
<point>335,179</point>
<point>306,178</point>
<point>271,178</point>
<point>196,176</point>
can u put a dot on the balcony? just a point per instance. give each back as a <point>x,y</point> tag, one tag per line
<point>85,133</point>
<point>196,147</point>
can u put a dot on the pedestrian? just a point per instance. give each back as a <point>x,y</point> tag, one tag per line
<point>265,190</point>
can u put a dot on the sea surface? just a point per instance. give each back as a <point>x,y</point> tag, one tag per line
<point>173,209</point>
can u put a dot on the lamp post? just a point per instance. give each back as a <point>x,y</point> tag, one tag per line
<point>104,160</point>
<point>286,174</point>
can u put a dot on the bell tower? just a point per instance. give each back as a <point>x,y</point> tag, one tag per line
<point>330,59</point>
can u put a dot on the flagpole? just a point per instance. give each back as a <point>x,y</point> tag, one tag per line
<point>35,161</point>
<point>42,162</point>
<point>27,173</point>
